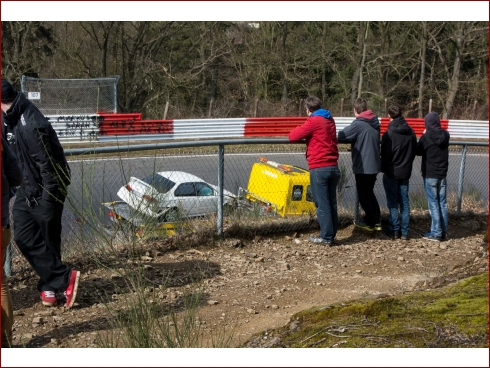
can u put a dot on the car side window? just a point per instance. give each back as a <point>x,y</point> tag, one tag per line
<point>297,192</point>
<point>204,190</point>
<point>185,190</point>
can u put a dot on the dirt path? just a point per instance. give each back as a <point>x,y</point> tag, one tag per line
<point>259,284</point>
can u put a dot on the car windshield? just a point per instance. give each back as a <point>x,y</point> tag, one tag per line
<point>160,183</point>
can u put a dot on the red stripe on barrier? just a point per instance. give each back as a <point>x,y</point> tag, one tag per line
<point>417,124</point>
<point>135,127</point>
<point>128,116</point>
<point>276,127</point>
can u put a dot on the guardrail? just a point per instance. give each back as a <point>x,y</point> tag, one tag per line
<point>129,127</point>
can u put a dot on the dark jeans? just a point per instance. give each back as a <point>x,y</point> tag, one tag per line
<point>397,197</point>
<point>323,183</point>
<point>37,233</point>
<point>367,199</point>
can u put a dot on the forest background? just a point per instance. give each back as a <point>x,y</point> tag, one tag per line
<point>226,69</point>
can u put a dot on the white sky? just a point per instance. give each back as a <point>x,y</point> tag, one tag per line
<point>245,10</point>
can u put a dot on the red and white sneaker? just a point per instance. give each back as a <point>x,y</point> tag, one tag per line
<point>49,298</point>
<point>71,290</point>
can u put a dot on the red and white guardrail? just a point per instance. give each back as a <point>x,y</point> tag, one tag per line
<point>119,127</point>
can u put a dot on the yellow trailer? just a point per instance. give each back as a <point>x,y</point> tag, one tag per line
<point>282,189</point>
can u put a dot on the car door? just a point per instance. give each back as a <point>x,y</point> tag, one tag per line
<point>186,199</point>
<point>207,198</point>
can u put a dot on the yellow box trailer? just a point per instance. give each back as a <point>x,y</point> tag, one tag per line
<point>282,189</point>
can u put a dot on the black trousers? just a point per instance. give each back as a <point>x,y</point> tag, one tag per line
<point>37,233</point>
<point>367,199</point>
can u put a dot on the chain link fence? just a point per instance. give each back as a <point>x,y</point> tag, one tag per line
<point>264,201</point>
<point>68,97</point>
<point>254,202</point>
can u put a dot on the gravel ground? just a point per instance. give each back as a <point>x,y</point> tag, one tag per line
<point>258,284</point>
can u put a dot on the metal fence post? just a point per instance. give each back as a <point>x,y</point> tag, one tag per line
<point>461,179</point>
<point>221,169</point>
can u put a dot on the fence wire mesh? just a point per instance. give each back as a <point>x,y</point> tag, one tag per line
<point>97,213</point>
<point>68,97</point>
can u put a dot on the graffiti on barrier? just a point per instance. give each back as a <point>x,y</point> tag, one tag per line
<point>123,127</point>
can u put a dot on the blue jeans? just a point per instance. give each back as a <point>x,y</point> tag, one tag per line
<point>397,197</point>
<point>435,190</point>
<point>323,183</point>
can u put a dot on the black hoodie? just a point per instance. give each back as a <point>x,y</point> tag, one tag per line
<point>433,146</point>
<point>398,147</point>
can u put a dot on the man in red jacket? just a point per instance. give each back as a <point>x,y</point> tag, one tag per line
<point>322,155</point>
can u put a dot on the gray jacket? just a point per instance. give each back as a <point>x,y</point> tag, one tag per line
<point>364,136</point>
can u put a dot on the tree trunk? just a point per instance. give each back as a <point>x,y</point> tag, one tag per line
<point>458,40</point>
<point>324,69</point>
<point>363,60</point>
<point>284,33</point>
<point>423,52</point>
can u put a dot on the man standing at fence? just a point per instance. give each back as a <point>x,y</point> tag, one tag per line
<point>39,201</point>
<point>398,147</point>
<point>433,146</point>
<point>364,135</point>
<point>322,155</point>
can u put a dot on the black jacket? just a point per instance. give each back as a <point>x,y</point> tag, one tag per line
<point>398,148</point>
<point>433,146</point>
<point>36,145</point>
<point>11,177</point>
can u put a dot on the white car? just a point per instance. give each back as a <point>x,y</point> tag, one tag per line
<point>171,195</point>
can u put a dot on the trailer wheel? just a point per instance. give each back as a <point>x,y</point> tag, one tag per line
<point>173,215</point>
<point>229,208</point>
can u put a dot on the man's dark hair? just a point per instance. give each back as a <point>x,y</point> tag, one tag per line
<point>8,92</point>
<point>313,103</point>
<point>394,111</point>
<point>360,105</point>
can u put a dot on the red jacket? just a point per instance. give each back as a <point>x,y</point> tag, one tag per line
<point>321,140</point>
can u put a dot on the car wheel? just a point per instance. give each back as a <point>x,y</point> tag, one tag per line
<point>173,215</point>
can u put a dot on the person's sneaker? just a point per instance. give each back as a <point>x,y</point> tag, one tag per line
<point>391,234</point>
<point>71,290</point>
<point>49,298</point>
<point>443,237</point>
<point>362,225</point>
<point>378,227</point>
<point>404,237</point>
<point>431,237</point>
<point>319,240</point>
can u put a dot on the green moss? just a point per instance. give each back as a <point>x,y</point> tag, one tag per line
<point>454,316</point>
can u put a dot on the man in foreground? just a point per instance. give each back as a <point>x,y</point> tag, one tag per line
<point>39,201</point>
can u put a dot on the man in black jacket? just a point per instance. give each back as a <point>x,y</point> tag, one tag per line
<point>433,146</point>
<point>398,147</point>
<point>39,201</point>
<point>363,134</point>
